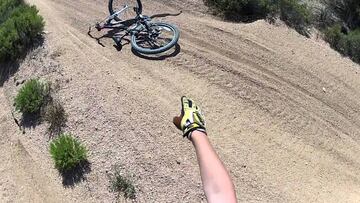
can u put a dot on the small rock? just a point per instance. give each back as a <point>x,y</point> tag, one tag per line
<point>324,90</point>
<point>19,82</point>
<point>178,162</point>
<point>229,85</point>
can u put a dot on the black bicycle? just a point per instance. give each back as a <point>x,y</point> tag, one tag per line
<point>147,37</point>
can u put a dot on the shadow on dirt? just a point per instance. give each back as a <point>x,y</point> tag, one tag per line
<point>30,120</point>
<point>159,57</point>
<point>111,34</point>
<point>76,175</point>
<point>8,69</point>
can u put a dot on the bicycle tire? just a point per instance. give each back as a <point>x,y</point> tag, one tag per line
<point>111,7</point>
<point>168,46</point>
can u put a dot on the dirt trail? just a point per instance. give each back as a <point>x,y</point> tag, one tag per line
<point>283,111</point>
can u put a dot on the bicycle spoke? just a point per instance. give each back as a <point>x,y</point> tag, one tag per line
<point>155,38</point>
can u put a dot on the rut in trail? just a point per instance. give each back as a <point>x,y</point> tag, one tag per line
<point>282,137</point>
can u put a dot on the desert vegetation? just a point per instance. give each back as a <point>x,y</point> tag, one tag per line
<point>292,12</point>
<point>343,27</point>
<point>20,26</point>
<point>31,96</point>
<point>56,117</point>
<point>121,184</point>
<point>339,20</point>
<point>67,152</point>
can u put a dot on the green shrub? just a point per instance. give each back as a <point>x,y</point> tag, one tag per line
<point>295,15</point>
<point>346,44</point>
<point>31,96</point>
<point>324,17</point>
<point>353,39</point>
<point>242,10</point>
<point>333,35</point>
<point>18,30</point>
<point>348,11</point>
<point>7,7</point>
<point>122,184</point>
<point>67,152</point>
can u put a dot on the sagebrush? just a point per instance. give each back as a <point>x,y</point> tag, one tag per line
<point>347,11</point>
<point>67,152</point>
<point>20,26</point>
<point>121,184</point>
<point>344,35</point>
<point>7,7</point>
<point>292,12</point>
<point>295,15</point>
<point>347,44</point>
<point>31,96</point>
<point>55,115</point>
<point>242,10</point>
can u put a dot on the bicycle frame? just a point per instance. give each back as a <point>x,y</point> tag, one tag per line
<point>141,26</point>
<point>139,11</point>
<point>118,12</point>
<point>122,24</point>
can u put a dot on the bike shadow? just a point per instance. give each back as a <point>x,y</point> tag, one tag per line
<point>110,34</point>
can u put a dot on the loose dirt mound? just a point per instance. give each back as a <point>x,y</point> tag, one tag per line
<point>283,111</point>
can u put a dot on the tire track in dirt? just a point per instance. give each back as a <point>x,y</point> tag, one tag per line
<point>281,138</point>
<point>238,76</point>
<point>249,62</point>
<point>265,104</point>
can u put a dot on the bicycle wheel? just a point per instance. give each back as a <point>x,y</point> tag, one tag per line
<point>160,38</point>
<point>129,13</point>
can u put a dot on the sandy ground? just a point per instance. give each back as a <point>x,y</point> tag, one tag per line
<point>282,111</point>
